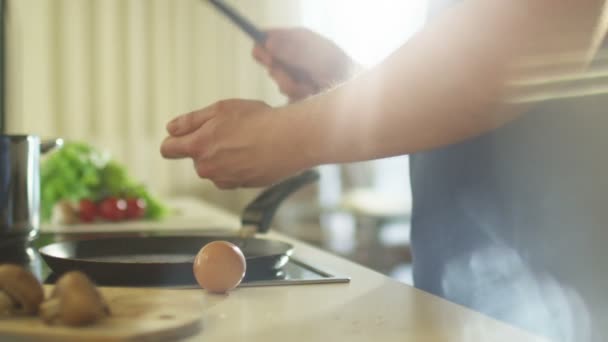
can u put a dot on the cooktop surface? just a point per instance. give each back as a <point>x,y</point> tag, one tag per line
<point>295,272</point>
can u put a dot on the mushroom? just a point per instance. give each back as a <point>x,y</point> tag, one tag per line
<point>20,291</point>
<point>74,301</point>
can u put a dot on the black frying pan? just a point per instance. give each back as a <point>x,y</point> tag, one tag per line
<point>168,259</point>
<point>156,260</point>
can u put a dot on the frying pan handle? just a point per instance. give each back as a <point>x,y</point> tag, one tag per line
<point>260,212</point>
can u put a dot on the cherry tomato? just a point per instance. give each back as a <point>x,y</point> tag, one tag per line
<point>87,210</point>
<point>113,209</point>
<point>136,208</point>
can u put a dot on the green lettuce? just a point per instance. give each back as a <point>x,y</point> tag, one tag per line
<point>78,171</point>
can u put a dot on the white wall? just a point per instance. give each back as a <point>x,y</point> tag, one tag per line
<point>113,72</point>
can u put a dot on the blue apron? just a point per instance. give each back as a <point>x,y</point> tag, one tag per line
<point>514,223</point>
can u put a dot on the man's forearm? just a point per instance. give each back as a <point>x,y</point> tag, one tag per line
<point>445,85</point>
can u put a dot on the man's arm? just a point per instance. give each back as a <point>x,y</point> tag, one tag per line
<point>447,83</point>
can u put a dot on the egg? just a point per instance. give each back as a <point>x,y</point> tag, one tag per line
<point>219,266</point>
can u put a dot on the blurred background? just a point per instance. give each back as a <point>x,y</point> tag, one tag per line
<point>113,72</point>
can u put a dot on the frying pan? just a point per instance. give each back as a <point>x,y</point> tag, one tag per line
<point>168,259</point>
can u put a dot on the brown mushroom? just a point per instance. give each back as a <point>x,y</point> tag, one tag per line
<point>74,301</point>
<point>20,291</point>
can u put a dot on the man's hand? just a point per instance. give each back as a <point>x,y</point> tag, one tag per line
<point>320,59</point>
<point>233,143</point>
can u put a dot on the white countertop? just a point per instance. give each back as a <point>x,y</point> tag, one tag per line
<point>370,307</point>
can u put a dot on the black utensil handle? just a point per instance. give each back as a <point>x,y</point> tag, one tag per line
<point>260,212</point>
<point>50,144</point>
<point>251,30</point>
<point>259,37</point>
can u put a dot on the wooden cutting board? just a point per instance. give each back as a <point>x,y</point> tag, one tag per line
<point>138,314</point>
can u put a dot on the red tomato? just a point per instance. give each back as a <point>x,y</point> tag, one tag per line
<point>113,209</point>
<point>87,210</point>
<point>136,208</point>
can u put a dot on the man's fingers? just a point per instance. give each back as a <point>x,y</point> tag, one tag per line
<point>188,123</point>
<point>290,46</point>
<point>281,48</point>
<point>292,89</point>
<point>262,55</point>
<point>223,185</point>
<point>286,84</point>
<point>176,147</point>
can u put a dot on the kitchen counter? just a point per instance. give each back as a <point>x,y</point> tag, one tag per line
<point>370,307</point>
